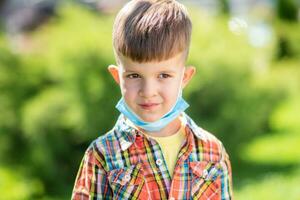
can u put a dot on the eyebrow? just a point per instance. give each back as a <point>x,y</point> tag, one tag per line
<point>168,71</point>
<point>129,71</point>
<point>164,71</point>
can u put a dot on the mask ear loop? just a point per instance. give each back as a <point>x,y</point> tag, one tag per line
<point>120,72</point>
<point>180,87</point>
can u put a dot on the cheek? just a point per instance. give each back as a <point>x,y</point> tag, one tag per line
<point>170,93</point>
<point>129,90</point>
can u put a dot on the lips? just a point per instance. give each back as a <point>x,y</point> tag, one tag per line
<point>149,105</point>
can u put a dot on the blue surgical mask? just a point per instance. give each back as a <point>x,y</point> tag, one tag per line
<point>177,109</point>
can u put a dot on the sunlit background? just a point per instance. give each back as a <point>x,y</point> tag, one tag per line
<point>56,95</point>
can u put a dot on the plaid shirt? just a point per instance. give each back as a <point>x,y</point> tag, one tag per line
<point>124,164</point>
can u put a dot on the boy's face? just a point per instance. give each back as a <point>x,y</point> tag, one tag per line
<point>151,89</point>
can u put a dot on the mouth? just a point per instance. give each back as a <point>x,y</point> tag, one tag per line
<point>149,106</point>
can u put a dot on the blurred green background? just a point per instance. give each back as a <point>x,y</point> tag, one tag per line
<point>56,96</point>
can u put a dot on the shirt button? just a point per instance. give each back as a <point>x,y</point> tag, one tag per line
<point>159,162</point>
<point>204,173</point>
<point>127,177</point>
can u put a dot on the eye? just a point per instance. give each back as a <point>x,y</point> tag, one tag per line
<point>163,76</point>
<point>132,76</point>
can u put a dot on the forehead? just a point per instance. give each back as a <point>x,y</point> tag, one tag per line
<point>172,64</point>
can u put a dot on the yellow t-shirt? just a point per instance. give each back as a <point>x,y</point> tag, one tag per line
<point>170,146</point>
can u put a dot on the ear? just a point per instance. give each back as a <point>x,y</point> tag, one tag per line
<point>114,71</point>
<point>188,75</point>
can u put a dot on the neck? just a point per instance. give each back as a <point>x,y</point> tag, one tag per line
<point>172,128</point>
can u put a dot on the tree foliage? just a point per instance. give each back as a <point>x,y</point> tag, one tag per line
<point>57,97</point>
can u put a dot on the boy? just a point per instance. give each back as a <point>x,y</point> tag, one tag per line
<point>155,151</point>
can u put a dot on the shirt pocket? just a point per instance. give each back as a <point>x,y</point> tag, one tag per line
<point>126,183</point>
<point>206,180</point>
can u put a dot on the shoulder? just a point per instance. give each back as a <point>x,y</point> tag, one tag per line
<point>201,135</point>
<point>208,139</point>
<point>102,147</point>
<point>106,143</point>
<point>207,144</point>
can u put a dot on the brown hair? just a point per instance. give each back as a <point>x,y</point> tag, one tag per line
<point>151,30</point>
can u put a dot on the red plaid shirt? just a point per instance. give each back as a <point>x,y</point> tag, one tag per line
<point>123,164</point>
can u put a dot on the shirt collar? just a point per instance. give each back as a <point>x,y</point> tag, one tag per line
<point>126,131</point>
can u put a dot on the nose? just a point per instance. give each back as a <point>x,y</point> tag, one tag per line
<point>147,89</point>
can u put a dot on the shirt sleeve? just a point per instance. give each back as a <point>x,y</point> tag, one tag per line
<point>226,177</point>
<point>91,181</point>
